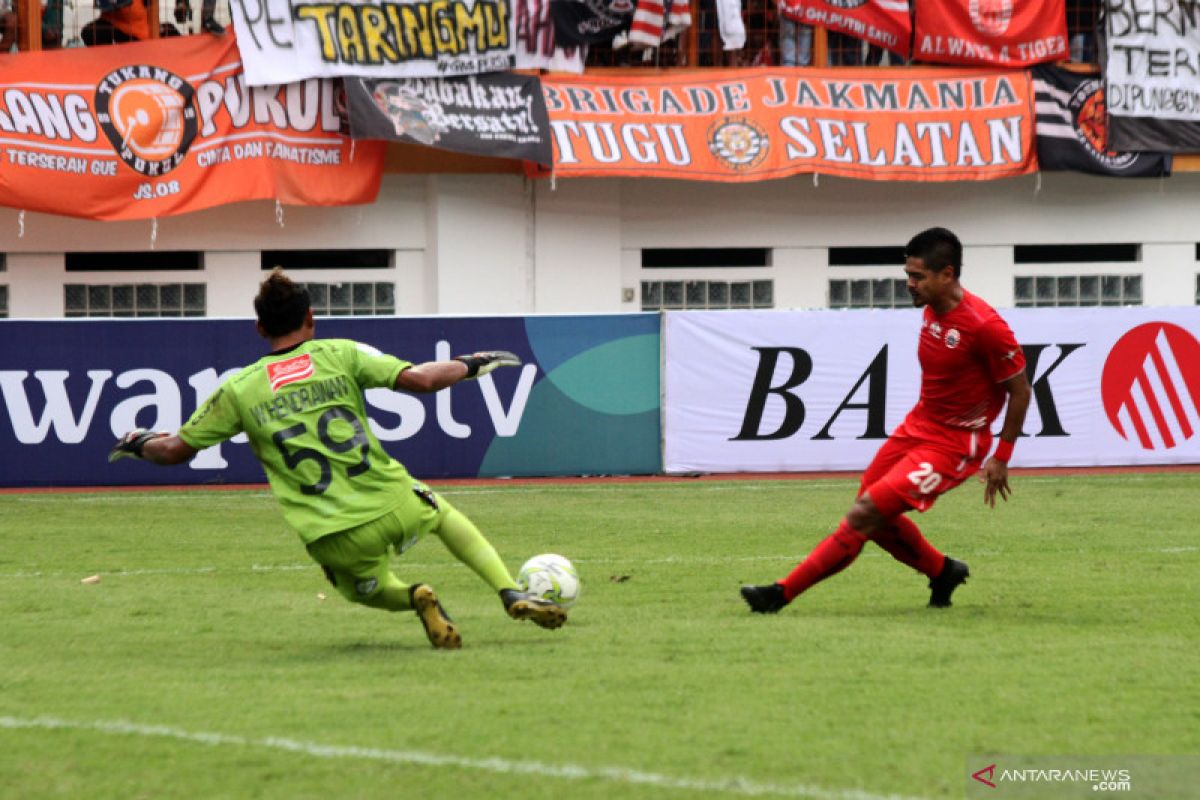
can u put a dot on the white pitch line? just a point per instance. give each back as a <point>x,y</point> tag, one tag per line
<point>733,785</point>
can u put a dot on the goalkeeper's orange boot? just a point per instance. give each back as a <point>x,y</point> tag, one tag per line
<point>940,588</point>
<point>441,630</point>
<point>522,605</point>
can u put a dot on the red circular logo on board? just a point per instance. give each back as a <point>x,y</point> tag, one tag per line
<point>1151,385</point>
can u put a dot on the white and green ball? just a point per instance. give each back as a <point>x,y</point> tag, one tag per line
<point>552,577</point>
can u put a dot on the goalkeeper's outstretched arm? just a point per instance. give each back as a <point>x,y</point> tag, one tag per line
<point>159,448</point>
<point>434,375</point>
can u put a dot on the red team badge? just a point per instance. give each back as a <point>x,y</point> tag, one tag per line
<point>1151,385</point>
<point>281,373</point>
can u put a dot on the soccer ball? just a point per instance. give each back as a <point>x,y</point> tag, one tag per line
<point>552,577</point>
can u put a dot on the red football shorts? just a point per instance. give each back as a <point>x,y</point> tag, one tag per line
<point>919,462</point>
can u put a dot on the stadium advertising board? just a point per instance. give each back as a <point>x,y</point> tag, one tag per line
<point>918,124</point>
<point>1152,55</point>
<point>151,129</point>
<point>586,401</point>
<point>799,391</point>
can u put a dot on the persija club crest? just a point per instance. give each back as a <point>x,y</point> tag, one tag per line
<point>990,17</point>
<point>738,143</point>
<point>1151,385</point>
<point>148,115</point>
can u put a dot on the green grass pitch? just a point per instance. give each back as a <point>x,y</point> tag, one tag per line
<point>205,664</point>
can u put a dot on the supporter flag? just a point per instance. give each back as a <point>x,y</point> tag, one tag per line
<point>1150,55</point>
<point>1071,129</point>
<point>168,126</point>
<point>498,114</point>
<point>537,42</point>
<point>883,23</point>
<point>579,22</point>
<point>1001,33</point>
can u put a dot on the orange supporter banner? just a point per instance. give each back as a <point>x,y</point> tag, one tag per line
<point>164,127</point>
<point>913,124</point>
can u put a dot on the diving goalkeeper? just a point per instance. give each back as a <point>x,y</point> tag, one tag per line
<point>302,407</point>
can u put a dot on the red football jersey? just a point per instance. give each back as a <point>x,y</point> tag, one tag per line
<point>965,355</point>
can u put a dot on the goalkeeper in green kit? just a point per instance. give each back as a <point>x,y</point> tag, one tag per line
<point>302,407</point>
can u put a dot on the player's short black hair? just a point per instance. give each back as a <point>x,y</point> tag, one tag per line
<point>938,248</point>
<point>280,304</point>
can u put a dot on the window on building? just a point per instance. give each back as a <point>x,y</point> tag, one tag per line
<point>123,261</point>
<point>352,299</point>
<point>1198,290</point>
<point>1077,253</point>
<point>866,257</point>
<point>3,301</point>
<point>704,294</point>
<point>869,293</point>
<point>694,284</point>
<point>705,257</point>
<point>1031,291</point>
<point>134,299</point>
<point>292,260</point>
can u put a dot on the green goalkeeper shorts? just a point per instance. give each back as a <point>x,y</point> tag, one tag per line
<point>356,560</point>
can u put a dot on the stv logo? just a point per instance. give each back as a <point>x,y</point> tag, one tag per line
<point>1151,385</point>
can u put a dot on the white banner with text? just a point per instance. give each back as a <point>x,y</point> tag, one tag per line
<point>784,391</point>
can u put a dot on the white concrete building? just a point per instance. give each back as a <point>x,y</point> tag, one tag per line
<point>498,243</point>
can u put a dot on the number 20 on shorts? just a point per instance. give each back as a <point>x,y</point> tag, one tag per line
<point>924,478</point>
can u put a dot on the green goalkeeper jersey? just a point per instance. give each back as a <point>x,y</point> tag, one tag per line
<point>304,413</point>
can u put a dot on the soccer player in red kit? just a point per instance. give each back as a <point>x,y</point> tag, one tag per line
<point>971,365</point>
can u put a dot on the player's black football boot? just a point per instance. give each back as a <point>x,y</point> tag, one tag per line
<point>441,630</point>
<point>768,599</point>
<point>522,605</point>
<point>940,588</point>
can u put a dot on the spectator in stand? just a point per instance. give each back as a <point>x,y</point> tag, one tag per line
<point>8,26</point>
<point>208,21</point>
<point>52,25</point>
<point>795,42</point>
<point>844,50</point>
<point>1082,18</point>
<point>119,21</point>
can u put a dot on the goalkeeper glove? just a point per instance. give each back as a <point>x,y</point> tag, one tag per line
<point>130,445</point>
<point>482,363</point>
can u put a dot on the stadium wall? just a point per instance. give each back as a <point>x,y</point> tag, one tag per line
<point>499,244</point>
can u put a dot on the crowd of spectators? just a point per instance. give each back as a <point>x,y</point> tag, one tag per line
<point>112,22</point>
<point>771,38</point>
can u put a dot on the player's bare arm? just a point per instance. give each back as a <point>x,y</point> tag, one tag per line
<point>432,376</point>
<point>158,448</point>
<point>995,472</point>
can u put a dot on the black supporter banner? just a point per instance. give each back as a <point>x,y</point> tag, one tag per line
<point>580,22</point>
<point>1071,129</point>
<point>496,114</point>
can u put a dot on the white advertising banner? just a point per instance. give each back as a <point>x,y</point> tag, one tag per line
<point>784,391</point>
<point>284,41</point>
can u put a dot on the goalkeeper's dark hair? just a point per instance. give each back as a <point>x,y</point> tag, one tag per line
<point>938,248</point>
<point>280,304</point>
